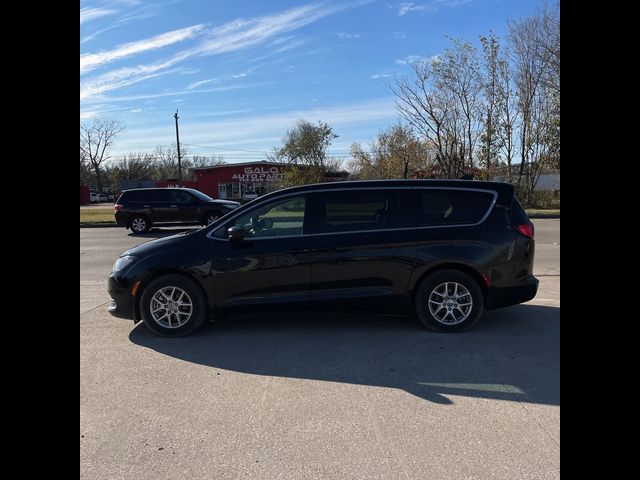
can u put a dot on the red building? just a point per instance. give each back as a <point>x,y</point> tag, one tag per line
<point>232,180</point>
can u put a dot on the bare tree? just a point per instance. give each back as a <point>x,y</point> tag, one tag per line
<point>134,166</point>
<point>96,138</point>
<point>166,161</point>
<point>458,74</point>
<point>489,140</point>
<point>431,110</point>
<point>507,114</point>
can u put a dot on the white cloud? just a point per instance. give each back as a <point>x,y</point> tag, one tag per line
<point>240,75</point>
<point>88,14</point>
<point>268,128</point>
<point>408,60</point>
<point>380,75</point>
<point>408,7</point>
<point>89,61</point>
<point>399,35</point>
<point>193,85</point>
<point>232,36</point>
<point>135,110</point>
<point>348,36</point>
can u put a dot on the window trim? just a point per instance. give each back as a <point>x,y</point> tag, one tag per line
<point>409,187</point>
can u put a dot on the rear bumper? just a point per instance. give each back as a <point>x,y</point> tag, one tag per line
<point>121,219</point>
<point>122,303</point>
<point>507,296</point>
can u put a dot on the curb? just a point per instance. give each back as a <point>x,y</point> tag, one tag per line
<point>98,225</point>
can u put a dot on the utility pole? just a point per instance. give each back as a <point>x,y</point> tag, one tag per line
<point>178,143</point>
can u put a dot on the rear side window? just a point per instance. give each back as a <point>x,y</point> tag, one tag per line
<point>131,196</point>
<point>452,207</point>
<point>347,211</point>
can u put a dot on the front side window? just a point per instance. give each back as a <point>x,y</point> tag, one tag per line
<point>279,218</point>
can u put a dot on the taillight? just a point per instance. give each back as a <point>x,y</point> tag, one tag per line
<point>117,207</point>
<point>526,229</point>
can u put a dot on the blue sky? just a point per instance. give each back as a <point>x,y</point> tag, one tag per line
<point>242,72</point>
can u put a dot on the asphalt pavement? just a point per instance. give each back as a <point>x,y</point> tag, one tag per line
<point>325,396</point>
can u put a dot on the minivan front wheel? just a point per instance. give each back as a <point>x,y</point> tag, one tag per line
<point>449,301</point>
<point>139,224</point>
<point>173,306</point>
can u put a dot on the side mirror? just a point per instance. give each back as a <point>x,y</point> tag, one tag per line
<point>236,234</point>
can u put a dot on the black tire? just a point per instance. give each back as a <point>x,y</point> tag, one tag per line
<point>139,224</point>
<point>437,282</point>
<point>210,217</point>
<point>194,295</point>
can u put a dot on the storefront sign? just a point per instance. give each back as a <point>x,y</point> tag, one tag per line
<point>258,174</point>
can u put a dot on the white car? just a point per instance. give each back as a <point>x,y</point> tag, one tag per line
<point>248,196</point>
<point>94,197</point>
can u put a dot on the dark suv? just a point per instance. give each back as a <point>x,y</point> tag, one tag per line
<point>142,208</point>
<point>445,250</point>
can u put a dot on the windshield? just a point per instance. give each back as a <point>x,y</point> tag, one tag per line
<point>200,195</point>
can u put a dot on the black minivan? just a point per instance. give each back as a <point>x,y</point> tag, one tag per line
<point>444,249</point>
<point>142,208</point>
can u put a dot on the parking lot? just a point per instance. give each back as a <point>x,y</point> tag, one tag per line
<point>319,396</point>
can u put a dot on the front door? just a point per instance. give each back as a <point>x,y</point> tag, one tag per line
<point>271,267</point>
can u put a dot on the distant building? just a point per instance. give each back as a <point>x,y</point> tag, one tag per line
<point>230,181</point>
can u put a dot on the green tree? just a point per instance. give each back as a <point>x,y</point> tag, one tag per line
<point>305,147</point>
<point>395,153</point>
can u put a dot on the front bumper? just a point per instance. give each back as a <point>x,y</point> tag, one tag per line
<point>122,302</point>
<point>507,296</point>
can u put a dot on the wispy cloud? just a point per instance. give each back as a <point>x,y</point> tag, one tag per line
<point>399,35</point>
<point>431,7</point>
<point>380,75</point>
<point>135,110</point>
<point>232,36</point>
<point>408,7</point>
<point>90,61</point>
<point>408,60</point>
<point>267,129</point>
<point>348,36</point>
<point>193,85</point>
<point>88,14</point>
<point>240,75</point>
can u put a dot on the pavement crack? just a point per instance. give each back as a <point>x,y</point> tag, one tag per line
<point>92,309</point>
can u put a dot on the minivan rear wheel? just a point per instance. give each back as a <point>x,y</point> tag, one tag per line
<point>173,306</point>
<point>449,301</point>
<point>139,224</point>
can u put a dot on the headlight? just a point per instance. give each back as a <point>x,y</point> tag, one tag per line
<point>121,263</point>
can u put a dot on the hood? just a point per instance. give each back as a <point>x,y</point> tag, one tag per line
<point>153,246</point>
<point>225,202</point>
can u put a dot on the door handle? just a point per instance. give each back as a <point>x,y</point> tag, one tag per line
<point>300,250</point>
<point>325,250</point>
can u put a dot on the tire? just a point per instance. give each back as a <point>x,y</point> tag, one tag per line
<point>439,309</point>
<point>210,217</point>
<point>139,224</point>
<point>156,308</point>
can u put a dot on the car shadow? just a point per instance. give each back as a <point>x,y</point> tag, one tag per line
<point>162,232</point>
<point>512,354</point>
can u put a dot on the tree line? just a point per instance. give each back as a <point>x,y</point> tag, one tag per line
<point>491,110</point>
<point>97,167</point>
